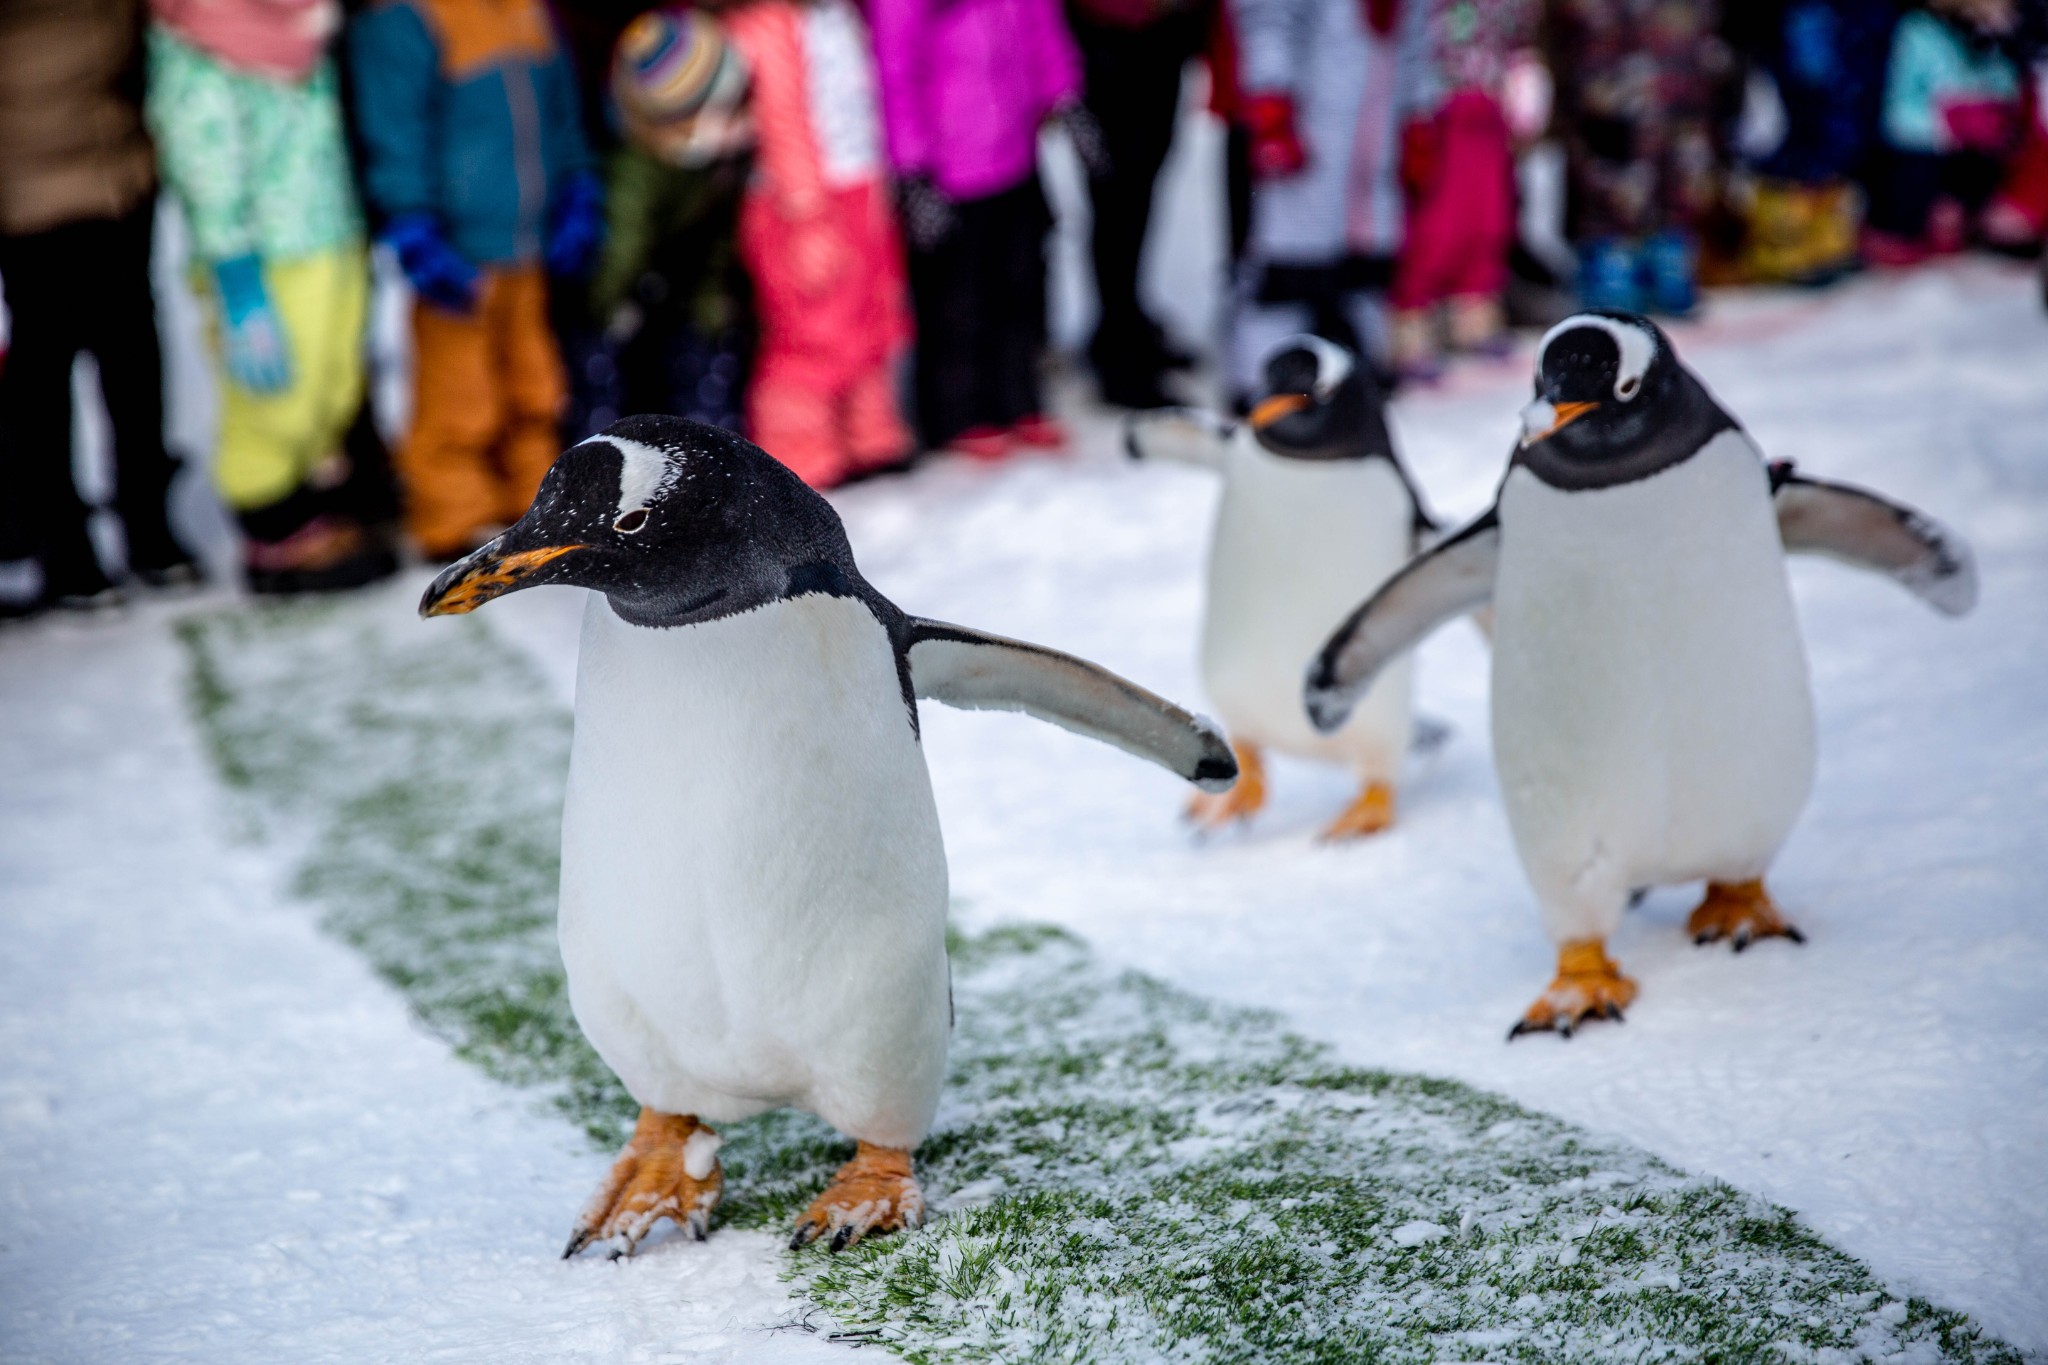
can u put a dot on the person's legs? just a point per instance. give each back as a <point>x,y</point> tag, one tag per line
<point>534,385</point>
<point>1133,84</point>
<point>45,518</point>
<point>793,414</point>
<point>1013,295</point>
<point>122,335</point>
<point>943,291</point>
<point>458,412</point>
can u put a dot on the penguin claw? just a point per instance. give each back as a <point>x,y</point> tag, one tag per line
<point>651,1181</point>
<point>1588,986</point>
<point>872,1194</point>
<point>1741,912</point>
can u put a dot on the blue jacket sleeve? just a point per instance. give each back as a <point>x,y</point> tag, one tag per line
<point>395,74</point>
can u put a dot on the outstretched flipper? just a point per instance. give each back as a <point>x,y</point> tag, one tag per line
<point>1183,435</point>
<point>1449,580</point>
<point>980,672</point>
<point>1862,529</point>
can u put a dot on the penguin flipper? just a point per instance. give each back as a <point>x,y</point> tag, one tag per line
<point>980,672</point>
<point>1859,528</point>
<point>1184,435</point>
<point>1454,577</point>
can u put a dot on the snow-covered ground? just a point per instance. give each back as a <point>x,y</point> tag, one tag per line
<point>221,1138</point>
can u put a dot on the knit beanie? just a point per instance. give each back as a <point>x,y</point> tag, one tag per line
<point>680,88</point>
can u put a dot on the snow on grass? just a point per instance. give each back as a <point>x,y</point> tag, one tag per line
<point>1122,1170</point>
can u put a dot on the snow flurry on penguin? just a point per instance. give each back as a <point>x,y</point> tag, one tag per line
<point>1652,716</point>
<point>753,895</point>
<point>1317,511</point>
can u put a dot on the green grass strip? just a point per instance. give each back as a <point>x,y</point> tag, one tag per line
<point>1122,1171</point>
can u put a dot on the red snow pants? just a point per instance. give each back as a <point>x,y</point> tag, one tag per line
<point>834,319</point>
<point>1461,218</point>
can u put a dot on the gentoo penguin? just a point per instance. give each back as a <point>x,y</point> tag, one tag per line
<point>1317,511</point>
<point>753,895</point>
<point>1652,716</point>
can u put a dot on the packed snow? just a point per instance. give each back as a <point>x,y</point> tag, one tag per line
<point>221,1138</point>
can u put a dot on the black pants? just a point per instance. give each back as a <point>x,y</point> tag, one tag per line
<point>980,301</point>
<point>81,287</point>
<point>1132,79</point>
<point>1908,183</point>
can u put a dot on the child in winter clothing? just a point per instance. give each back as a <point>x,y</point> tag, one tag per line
<point>77,205</point>
<point>1827,61</point>
<point>669,284</point>
<point>1328,85</point>
<point>818,241</point>
<point>247,116</point>
<point>1459,163</point>
<point>966,84</point>
<point>1951,110</point>
<point>474,155</point>
<point>1639,82</point>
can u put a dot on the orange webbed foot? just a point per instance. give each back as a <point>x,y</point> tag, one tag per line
<point>1589,985</point>
<point>872,1194</point>
<point>1371,813</point>
<point>1246,797</point>
<point>669,1169</point>
<point>1741,912</point>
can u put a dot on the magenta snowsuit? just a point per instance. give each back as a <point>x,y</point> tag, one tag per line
<point>965,84</point>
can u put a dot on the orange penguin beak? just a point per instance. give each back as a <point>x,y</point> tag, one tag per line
<point>1271,410</point>
<point>469,583</point>
<point>1555,416</point>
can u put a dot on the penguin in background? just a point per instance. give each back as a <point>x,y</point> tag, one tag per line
<point>1652,714</point>
<point>1317,510</point>
<point>753,885</point>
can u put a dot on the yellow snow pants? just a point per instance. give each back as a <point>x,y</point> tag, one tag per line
<point>270,442</point>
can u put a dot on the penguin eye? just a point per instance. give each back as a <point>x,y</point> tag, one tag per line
<point>1628,387</point>
<point>631,522</point>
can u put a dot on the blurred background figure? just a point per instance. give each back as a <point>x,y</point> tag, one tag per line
<point>1327,86</point>
<point>669,286</point>
<point>246,110</point>
<point>1458,163</point>
<point>77,206</point>
<point>819,242</point>
<point>1952,114</point>
<point>474,157</point>
<point>1641,94</point>
<point>1132,56</point>
<point>966,85</point>
<point>1825,61</point>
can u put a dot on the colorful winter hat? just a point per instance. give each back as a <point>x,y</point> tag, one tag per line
<point>680,88</point>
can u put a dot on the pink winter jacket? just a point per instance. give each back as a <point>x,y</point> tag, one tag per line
<point>965,84</point>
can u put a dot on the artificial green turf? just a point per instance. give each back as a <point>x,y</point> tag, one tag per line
<point>1121,1171</point>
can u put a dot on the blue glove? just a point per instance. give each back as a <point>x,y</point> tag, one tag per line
<point>437,270</point>
<point>252,340</point>
<point>576,227</point>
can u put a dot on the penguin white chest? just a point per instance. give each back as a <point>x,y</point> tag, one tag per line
<point>1298,544</point>
<point>1651,710</point>
<point>753,884</point>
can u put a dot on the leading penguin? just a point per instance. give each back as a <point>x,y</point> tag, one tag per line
<point>753,887</point>
<point>1652,715</point>
<point>1317,509</point>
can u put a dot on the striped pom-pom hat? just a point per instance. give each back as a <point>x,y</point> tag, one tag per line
<point>680,87</point>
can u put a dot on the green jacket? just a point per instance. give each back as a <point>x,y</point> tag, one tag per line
<point>677,223</point>
<point>260,165</point>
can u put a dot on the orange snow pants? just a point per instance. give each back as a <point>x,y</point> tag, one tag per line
<point>834,318</point>
<point>488,389</point>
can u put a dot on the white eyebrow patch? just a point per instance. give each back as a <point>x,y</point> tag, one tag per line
<point>1333,362</point>
<point>1638,347</point>
<point>644,473</point>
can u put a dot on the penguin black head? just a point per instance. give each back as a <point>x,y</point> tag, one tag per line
<point>1320,404</point>
<point>1612,403</point>
<point>674,521</point>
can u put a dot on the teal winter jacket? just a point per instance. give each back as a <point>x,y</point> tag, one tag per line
<point>467,109</point>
